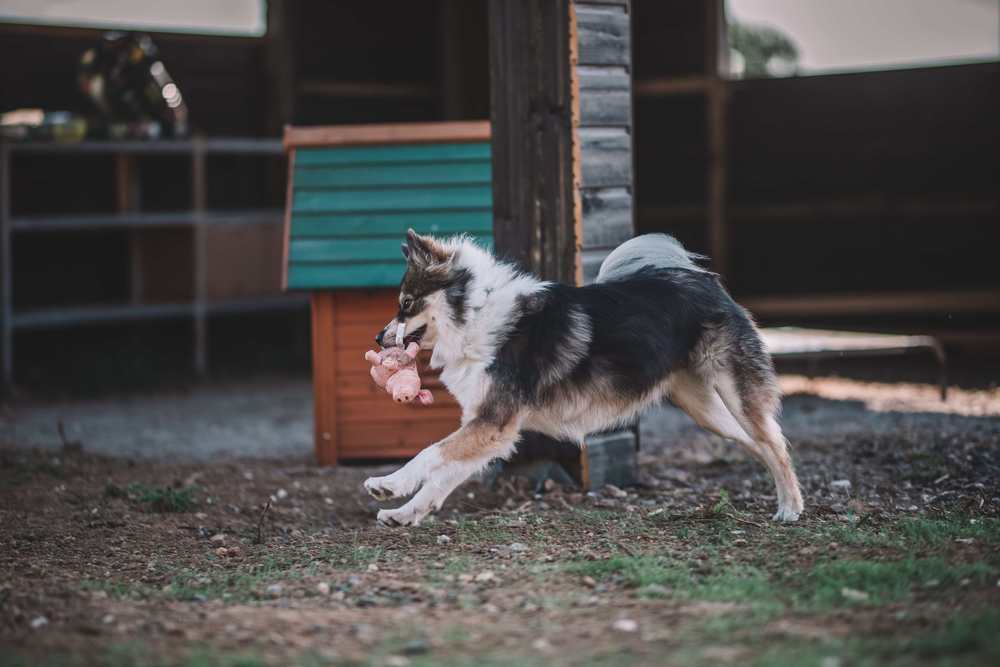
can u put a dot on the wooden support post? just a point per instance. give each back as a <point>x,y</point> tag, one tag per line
<point>536,171</point>
<point>324,377</point>
<point>717,50</point>
<point>282,18</point>
<point>127,200</point>
<point>532,121</point>
<point>718,224</point>
<point>6,277</point>
<point>199,203</point>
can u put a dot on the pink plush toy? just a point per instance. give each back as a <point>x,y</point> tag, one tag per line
<point>396,369</point>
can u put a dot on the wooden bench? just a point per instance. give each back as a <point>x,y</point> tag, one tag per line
<point>353,191</point>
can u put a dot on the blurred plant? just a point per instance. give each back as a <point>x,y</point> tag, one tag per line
<point>761,51</point>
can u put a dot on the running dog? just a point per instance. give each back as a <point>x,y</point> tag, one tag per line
<point>519,354</point>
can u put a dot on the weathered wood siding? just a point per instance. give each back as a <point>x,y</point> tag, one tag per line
<point>604,78</point>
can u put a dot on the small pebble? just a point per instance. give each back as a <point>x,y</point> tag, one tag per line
<point>485,575</point>
<point>39,622</point>
<point>541,644</point>
<point>323,588</point>
<point>274,590</point>
<point>614,491</point>
<point>416,647</point>
<point>843,484</point>
<point>517,547</point>
<point>654,591</point>
<point>625,625</point>
<point>443,539</point>
<point>853,595</point>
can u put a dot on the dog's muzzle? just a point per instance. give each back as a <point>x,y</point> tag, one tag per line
<point>396,335</point>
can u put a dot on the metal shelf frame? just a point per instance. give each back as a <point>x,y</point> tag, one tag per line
<point>128,217</point>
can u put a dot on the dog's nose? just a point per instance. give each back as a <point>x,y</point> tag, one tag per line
<point>378,337</point>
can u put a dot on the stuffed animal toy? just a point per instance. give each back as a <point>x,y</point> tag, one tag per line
<point>396,369</point>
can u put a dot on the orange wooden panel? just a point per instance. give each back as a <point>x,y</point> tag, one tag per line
<point>361,336</point>
<point>385,452</point>
<point>384,409</point>
<point>363,439</point>
<point>324,379</point>
<point>354,418</point>
<point>394,133</point>
<point>366,307</point>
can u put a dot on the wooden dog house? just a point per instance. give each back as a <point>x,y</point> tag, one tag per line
<point>353,191</point>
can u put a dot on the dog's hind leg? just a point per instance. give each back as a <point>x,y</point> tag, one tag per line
<point>450,462</point>
<point>704,405</point>
<point>714,405</point>
<point>756,408</point>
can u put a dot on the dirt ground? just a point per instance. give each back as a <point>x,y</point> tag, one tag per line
<point>249,562</point>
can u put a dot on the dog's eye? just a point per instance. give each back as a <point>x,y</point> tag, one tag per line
<point>407,302</point>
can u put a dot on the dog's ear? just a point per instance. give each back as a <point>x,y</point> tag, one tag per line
<point>424,250</point>
<point>406,250</point>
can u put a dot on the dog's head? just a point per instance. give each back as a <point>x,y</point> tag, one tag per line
<point>423,293</point>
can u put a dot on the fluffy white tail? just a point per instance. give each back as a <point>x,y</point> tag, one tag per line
<point>659,251</point>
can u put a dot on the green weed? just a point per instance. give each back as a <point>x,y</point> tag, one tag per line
<point>159,499</point>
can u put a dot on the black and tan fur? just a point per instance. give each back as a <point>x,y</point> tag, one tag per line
<point>521,354</point>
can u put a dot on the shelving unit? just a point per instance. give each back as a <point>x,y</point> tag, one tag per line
<point>132,220</point>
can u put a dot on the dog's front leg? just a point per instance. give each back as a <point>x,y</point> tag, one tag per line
<point>407,479</point>
<point>446,464</point>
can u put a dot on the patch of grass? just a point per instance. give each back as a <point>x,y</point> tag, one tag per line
<point>883,581</point>
<point>136,655</point>
<point>164,499</point>
<point>240,586</point>
<point>967,639</point>
<point>351,554</point>
<point>118,590</point>
<point>133,655</point>
<point>457,565</point>
<point>961,635</point>
<point>731,583</point>
<point>936,532</point>
<point>632,571</point>
<point>830,584</point>
<point>851,534</point>
<point>486,530</point>
<point>906,534</point>
<point>17,471</point>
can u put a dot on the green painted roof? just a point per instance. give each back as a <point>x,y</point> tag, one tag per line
<point>351,207</point>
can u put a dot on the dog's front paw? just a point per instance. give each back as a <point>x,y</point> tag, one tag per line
<point>397,485</point>
<point>404,516</point>
<point>380,488</point>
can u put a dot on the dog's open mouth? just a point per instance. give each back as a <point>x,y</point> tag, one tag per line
<point>414,336</point>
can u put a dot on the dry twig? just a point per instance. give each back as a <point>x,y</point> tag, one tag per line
<point>260,522</point>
